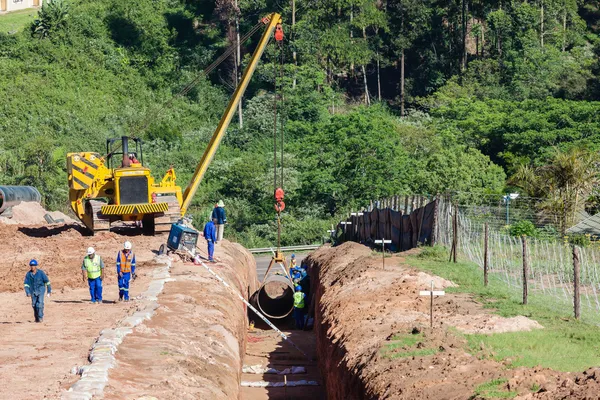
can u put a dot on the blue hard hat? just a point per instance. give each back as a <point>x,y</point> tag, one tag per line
<point>293,256</point>
<point>298,288</point>
<point>33,263</point>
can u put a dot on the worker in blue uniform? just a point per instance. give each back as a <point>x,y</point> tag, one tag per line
<point>210,234</point>
<point>125,270</point>
<point>36,282</point>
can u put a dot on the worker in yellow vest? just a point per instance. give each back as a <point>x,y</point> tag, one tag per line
<point>93,269</point>
<point>299,307</point>
<point>125,270</point>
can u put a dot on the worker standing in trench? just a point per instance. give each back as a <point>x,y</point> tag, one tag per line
<point>35,284</point>
<point>299,307</point>
<point>125,270</point>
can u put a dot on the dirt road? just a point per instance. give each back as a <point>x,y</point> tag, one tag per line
<point>36,359</point>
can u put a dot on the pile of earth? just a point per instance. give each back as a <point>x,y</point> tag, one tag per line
<point>31,213</point>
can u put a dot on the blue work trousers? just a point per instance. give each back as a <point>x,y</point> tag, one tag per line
<point>37,302</point>
<point>211,250</point>
<point>95,289</point>
<point>124,285</point>
<point>299,317</point>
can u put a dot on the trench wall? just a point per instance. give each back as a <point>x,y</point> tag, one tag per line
<point>331,268</point>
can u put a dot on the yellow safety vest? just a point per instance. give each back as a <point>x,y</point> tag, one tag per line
<point>299,300</point>
<point>92,266</point>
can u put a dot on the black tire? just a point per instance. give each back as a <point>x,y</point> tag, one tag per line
<point>148,225</point>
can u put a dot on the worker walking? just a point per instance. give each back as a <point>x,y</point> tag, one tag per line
<point>210,234</point>
<point>125,270</point>
<point>36,282</point>
<point>218,214</point>
<point>299,307</point>
<point>93,269</point>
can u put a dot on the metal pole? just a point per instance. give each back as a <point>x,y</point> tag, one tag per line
<point>507,205</point>
<point>576,274</point>
<point>485,256</point>
<point>525,268</point>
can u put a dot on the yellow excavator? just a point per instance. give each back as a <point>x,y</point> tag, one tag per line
<point>118,187</point>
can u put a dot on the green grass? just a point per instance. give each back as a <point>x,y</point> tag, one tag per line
<point>16,21</point>
<point>402,346</point>
<point>493,390</point>
<point>564,344</point>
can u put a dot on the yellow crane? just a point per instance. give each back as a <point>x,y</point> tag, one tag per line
<point>101,192</point>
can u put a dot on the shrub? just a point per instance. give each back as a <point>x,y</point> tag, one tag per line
<point>523,228</point>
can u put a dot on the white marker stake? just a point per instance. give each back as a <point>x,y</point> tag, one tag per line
<point>431,293</point>
<point>382,242</point>
<point>357,214</point>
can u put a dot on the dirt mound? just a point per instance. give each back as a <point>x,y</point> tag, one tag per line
<point>193,347</point>
<point>492,324</point>
<point>31,213</point>
<point>372,328</point>
<point>554,386</point>
<point>60,250</point>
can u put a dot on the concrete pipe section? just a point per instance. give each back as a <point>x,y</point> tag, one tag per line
<point>275,298</point>
<point>13,195</point>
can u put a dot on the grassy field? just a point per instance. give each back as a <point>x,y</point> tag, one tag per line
<point>16,21</point>
<point>564,344</point>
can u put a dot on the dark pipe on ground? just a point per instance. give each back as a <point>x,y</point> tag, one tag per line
<point>275,297</point>
<point>12,195</point>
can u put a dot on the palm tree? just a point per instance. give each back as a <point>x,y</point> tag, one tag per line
<point>564,183</point>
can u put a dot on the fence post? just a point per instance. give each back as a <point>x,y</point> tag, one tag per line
<point>485,255</point>
<point>405,204</point>
<point>525,268</point>
<point>454,234</point>
<point>576,279</point>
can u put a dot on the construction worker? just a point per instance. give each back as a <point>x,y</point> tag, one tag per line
<point>293,263</point>
<point>93,269</point>
<point>35,283</point>
<point>299,307</point>
<point>210,234</point>
<point>125,270</point>
<point>218,214</point>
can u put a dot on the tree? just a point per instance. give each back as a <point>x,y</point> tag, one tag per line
<point>564,183</point>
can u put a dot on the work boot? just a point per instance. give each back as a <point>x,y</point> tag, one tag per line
<point>41,320</point>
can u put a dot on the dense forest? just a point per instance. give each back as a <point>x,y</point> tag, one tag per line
<point>374,98</point>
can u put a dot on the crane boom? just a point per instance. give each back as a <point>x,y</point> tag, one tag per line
<point>271,21</point>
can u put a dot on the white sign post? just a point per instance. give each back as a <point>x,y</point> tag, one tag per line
<point>382,242</point>
<point>431,293</point>
<point>357,214</point>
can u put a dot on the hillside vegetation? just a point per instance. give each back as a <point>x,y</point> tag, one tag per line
<point>487,86</point>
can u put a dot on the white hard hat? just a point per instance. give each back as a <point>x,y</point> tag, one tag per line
<point>127,245</point>
<point>90,251</point>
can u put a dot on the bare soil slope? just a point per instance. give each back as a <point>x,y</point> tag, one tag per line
<point>373,334</point>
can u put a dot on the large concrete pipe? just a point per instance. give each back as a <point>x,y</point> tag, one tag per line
<point>13,195</point>
<point>275,297</point>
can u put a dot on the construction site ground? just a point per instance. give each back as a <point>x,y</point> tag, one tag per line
<point>266,348</point>
<point>192,347</point>
<point>374,339</point>
<point>36,360</point>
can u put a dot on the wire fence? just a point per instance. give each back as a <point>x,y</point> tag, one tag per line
<point>550,269</point>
